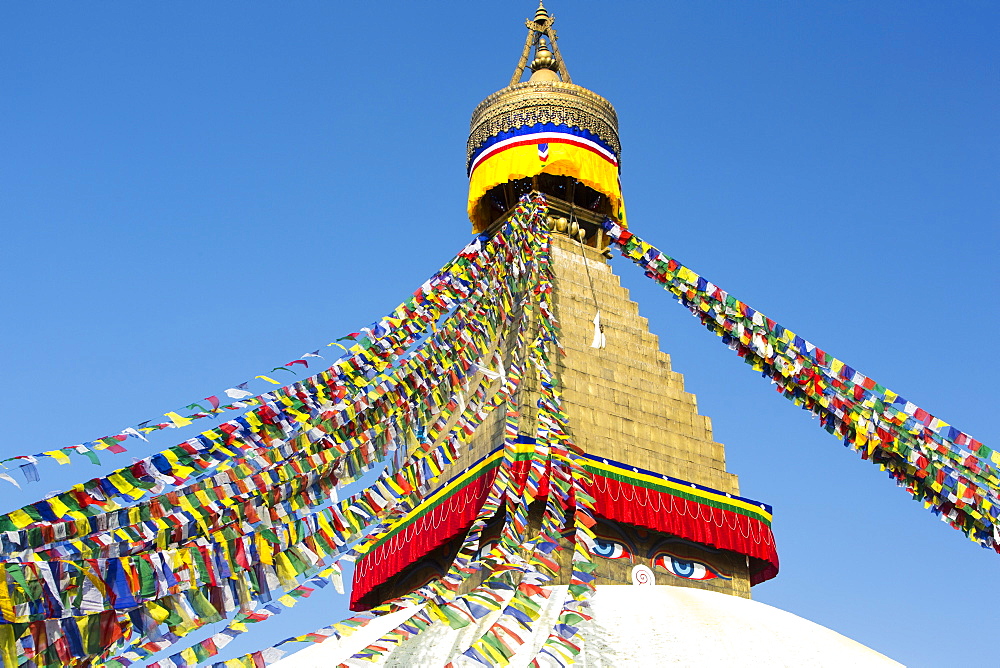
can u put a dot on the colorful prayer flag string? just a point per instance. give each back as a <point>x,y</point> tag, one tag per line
<point>432,291</point>
<point>99,569</point>
<point>955,475</point>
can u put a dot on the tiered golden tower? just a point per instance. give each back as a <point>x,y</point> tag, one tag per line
<point>665,502</point>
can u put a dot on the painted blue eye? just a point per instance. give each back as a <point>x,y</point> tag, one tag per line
<point>610,549</point>
<point>684,568</point>
<point>687,568</point>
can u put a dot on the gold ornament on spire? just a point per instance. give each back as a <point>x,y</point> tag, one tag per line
<point>541,16</point>
<point>543,57</point>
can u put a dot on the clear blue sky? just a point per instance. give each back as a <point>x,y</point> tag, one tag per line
<point>193,193</point>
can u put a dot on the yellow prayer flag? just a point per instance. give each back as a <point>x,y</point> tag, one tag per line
<point>286,572</point>
<point>434,610</point>
<point>265,550</point>
<point>120,483</point>
<point>6,605</point>
<point>185,503</point>
<point>178,420</point>
<point>58,455</point>
<point>20,518</point>
<point>687,275</point>
<point>58,507</point>
<point>8,645</point>
<point>183,471</point>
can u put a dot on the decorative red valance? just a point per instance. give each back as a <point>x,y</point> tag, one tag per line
<point>622,494</point>
<point>419,537</point>
<point>691,520</point>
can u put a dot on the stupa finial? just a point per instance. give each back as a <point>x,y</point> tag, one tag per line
<point>541,16</point>
<point>539,28</point>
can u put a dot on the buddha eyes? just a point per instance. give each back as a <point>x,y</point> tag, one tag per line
<point>687,568</point>
<point>611,549</point>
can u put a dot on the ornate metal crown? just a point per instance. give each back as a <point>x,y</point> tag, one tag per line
<point>530,102</point>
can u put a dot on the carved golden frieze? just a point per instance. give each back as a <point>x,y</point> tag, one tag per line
<point>534,102</point>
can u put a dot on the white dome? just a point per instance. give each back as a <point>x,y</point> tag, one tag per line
<point>632,626</point>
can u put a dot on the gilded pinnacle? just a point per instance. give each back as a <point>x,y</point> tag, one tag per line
<point>541,16</point>
<point>543,57</point>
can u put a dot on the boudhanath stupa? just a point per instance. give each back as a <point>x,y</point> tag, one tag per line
<point>677,549</point>
<point>507,458</point>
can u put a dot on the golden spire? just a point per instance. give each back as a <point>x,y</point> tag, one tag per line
<point>541,16</point>
<point>539,28</point>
